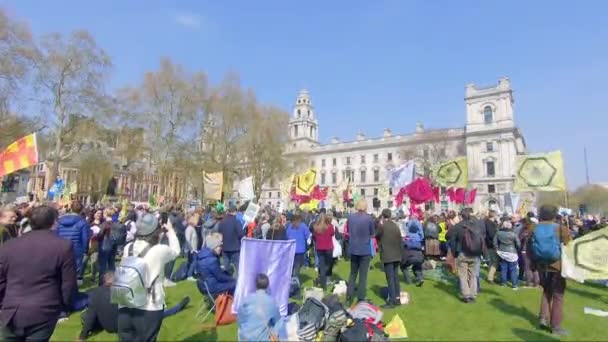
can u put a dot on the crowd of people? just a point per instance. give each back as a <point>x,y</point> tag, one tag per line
<point>45,250</point>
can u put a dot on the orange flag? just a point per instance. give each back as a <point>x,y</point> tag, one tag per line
<point>19,155</point>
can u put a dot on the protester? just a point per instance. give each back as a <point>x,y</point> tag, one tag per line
<point>191,248</point>
<point>258,314</point>
<point>412,255</point>
<point>277,231</point>
<point>298,231</point>
<point>507,246</point>
<point>531,275</point>
<point>431,238</point>
<point>549,236</point>
<point>8,218</point>
<point>209,270</point>
<point>391,249</point>
<point>232,233</point>
<point>74,228</point>
<point>323,233</point>
<point>467,242</point>
<point>143,323</point>
<point>491,228</point>
<point>107,247</point>
<point>262,227</point>
<point>360,227</point>
<point>37,280</point>
<point>102,315</point>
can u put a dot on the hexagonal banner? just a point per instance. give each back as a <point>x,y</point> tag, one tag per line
<point>542,172</point>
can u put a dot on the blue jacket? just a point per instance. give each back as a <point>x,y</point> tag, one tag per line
<point>232,232</point>
<point>75,228</point>
<point>360,232</point>
<point>301,235</point>
<point>208,266</point>
<point>414,234</point>
<point>257,316</point>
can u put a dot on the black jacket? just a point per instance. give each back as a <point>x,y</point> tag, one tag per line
<point>491,228</point>
<point>232,232</point>
<point>100,314</point>
<point>390,242</point>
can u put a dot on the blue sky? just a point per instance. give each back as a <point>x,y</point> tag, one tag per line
<point>375,64</point>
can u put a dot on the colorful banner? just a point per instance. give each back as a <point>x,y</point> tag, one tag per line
<point>213,184</point>
<point>540,172</point>
<point>402,175</point>
<point>19,155</point>
<point>586,258</point>
<point>305,182</point>
<point>453,173</point>
<point>271,257</point>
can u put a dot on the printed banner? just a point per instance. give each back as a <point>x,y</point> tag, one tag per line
<point>270,257</point>
<point>402,175</point>
<point>305,182</point>
<point>453,173</point>
<point>19,155</point>
<point>251,212</point>
<point>586,258</point>
<point>213,183</point>
<point>540,172</point>
<point>245,189</point>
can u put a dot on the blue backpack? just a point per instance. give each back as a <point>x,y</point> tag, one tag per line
<point>545,243</point>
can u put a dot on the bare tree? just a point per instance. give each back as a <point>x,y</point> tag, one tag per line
<point>434,149</point>
<point>70,76</point>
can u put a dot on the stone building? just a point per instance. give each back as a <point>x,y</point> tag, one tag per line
<point>489,139</point>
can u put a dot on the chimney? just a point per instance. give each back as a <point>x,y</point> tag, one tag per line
<point>387,132</point>
<point>360,136</point>
<point>419,127</point>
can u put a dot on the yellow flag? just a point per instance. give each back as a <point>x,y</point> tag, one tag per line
<point>452,174</point>
<point>313,204</point>
<point>213,183</point>
<point>540,172</point>
<point>395,329</point>
<point>305,182</point>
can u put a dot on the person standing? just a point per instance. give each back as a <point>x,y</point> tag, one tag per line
<point>491,228</point>
<point>391,249</point>
<point>531,277</point>
<point>431,238</point>
<point>549,236</point>
<point>360,227</point>
<point>37,280</point>
<point>323,233</point>
<point>106,245</point>
<point>298,231</point>
<point>467,241</point>
<point>143,323</point>
<point>191,247</point>
<point>74,228</point>
<point>8,217</point>
<point>507,244</point>
<point>232,233</point>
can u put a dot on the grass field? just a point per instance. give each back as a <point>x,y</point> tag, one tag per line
<point>434,313</point>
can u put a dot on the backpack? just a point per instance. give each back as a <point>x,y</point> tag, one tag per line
<point>473,242</point>
<point>119,233</point>
<point>130,280</point>
<point>545,243</point>
<point>314,312</point>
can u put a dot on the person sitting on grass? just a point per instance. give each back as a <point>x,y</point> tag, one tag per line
<point>258,314</point>
<point>209,270</point>
<point>102,315</point>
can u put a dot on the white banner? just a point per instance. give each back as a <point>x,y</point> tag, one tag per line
<point>245,189</point>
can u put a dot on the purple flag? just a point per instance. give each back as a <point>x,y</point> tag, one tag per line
<point>273,258</point>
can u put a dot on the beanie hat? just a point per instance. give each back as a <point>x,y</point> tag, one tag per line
<point>212,241</point>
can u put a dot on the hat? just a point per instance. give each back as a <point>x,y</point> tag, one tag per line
<point>212,241</point>
<point>232,208</point>
<point>146,225</point>
<point>220,207</point>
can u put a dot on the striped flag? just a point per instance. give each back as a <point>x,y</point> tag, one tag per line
<point>19,155</point>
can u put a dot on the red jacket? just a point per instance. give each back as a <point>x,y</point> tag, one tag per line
<point>324,241</point>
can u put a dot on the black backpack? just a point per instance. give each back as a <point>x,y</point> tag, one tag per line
<point>473,243</point>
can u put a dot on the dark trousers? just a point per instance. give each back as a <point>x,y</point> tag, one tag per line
<point>391,270</point>
<point>508,271</point>
<point>139,325</point>
<point>80,265</point>
<point>416,268</point>
<point>107,262</point>
<point>191,263</point>
<point>36,332</point>
<point>325,261</point>
<point>232,258</point>
<point>552,302</point>
<point>359,265</point>
<point>298,262</point>
<point>532,277</point>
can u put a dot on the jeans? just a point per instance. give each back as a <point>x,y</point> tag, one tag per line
<point>139,325</point>
<point>532,277</point>
<point>391,270</point>
<point>106,262</point>
<point>359,265</point>
<point>298,262</point>
<point>552,302</point>
<point>508,270</point>
<point>37,332</point>
<point>191,263</point>
<point>416,268</point>
<point>325,260</point>
<point>467,268</point>
<point>232,258</point>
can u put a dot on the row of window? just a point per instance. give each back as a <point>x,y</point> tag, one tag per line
<point>361,191</point>
<point>350,175</point>
<point>334,161</point>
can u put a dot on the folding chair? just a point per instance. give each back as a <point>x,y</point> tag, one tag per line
<point>208,301</point>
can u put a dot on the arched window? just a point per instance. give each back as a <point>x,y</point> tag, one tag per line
<point>487,115</point>
<point>299,112</point>
<point>309,113</point>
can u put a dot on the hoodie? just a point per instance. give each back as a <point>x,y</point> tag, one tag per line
<point>208,267</point>
<point>74,228</point>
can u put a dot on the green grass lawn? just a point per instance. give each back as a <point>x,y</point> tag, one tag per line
<point>434,313</point>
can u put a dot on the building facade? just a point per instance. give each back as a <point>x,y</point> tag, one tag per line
<point>489,139</point>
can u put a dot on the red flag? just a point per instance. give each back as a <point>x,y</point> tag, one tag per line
<point>471,196</point>
<point>459,195</point>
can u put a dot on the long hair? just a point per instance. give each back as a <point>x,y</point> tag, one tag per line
<point>321,225</point>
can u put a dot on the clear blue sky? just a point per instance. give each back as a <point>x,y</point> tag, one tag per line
<point>375,64</point>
